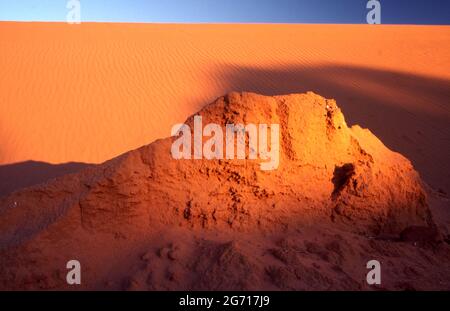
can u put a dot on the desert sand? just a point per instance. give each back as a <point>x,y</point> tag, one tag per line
<point>371,185</point>
<point>146,221</point>
<point>89,92</point>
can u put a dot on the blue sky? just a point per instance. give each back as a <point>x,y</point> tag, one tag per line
<point>230,11</point>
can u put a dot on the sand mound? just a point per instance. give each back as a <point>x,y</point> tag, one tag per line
<point>147,221</point>
<point>90,92</point>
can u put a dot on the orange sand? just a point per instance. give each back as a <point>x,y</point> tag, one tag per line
<point>89,92</point>
<point>145,221</point>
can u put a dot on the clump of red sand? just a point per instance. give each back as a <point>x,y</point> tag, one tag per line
<point>143,220</point>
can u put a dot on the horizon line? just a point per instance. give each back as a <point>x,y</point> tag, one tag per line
<point>220,23</point>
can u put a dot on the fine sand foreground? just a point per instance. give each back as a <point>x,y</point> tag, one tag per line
<point>89,92</point>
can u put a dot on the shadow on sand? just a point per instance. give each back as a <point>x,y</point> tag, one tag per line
<point>409,113</point>
<point>24,174</point>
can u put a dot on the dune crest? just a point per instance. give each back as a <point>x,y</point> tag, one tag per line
<point>332,180</point>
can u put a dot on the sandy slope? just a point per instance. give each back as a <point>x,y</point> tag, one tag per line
<point>89,92</point>
<point>144,220</point>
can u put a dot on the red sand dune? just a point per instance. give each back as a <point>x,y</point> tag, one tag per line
<point>144,220</point>
<point>89,92</point>
<point>341,197</point>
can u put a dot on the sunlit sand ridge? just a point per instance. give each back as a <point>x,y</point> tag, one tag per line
<point>89,92</point>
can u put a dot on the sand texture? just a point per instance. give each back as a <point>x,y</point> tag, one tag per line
<point>90,92</point>
<point>146,221</point>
